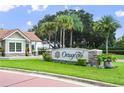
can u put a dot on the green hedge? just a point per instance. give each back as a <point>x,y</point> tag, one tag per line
<point>118,48</point>
<point>115,51</point>
<point>81,62</point>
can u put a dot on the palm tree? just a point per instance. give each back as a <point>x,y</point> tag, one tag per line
<point>77,26</point>
<point>48,28</point>
<point>64,22</point>
<point>108,25</point>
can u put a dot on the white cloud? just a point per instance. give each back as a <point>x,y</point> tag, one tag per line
<point>119,13</point>
<point>1,25</point>
<point>77,8</point>
<point>29,23</point>
<point>97,18</point>
<point>66,7</point>
<point>6,8</point>
<point>29,11</point>
<point>45,6</point>
<point>37,8</point>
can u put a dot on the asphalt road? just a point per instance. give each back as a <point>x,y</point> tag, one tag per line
<point>22,79</point>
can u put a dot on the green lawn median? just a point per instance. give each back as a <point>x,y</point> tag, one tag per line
<point>115,75</point>
<point>119,56</point>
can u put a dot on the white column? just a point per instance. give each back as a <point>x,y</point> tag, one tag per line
<point>36,50</point>
<point>30,48</point>
<point>6,46</point>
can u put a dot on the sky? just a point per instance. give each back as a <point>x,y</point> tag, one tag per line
<point>25,16</point>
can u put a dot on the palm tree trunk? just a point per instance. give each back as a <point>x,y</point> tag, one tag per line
<point>107,44</point>
<point>60,37</point>
<point>63,38</point>
<point>49,40</point>
<point>71,34</point>
<point>55,40</point>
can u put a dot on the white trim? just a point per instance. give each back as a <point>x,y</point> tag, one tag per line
<point>14,39</point>
<point>21,33</point>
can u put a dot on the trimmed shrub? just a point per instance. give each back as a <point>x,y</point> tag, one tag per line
<point>118,50</point>
<point>47,56</point>
<point>107,60</point>
<point>115,51</point>
<point>111,48</point>
<point>2,50</point>
<point>27,52</point>
<point>42,50</point>
<point>106,57</point>
<point>81,62</point>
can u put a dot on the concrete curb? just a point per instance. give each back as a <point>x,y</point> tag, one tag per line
<point>21,57</point>
<point>98,83</point>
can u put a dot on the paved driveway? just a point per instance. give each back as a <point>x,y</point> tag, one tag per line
<point>21,79</point>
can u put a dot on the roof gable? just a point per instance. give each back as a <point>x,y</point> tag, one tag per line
<point>5,33</point>
<point>30,36</point>
<point>16,35</point>
<point>13,32</point>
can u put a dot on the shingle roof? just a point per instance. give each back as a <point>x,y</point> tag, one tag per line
<point>32,36</point>
<point>5,33</point>
<point>29,35</point>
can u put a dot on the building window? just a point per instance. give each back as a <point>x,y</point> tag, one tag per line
<point>27,45</point>
<point>32,47</point>
<point>12,47</point>
<point>15,47</point>
<point>18,47</point>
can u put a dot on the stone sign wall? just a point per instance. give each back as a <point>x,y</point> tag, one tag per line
<point>73,54</point>
<point>92,57</point>
<point>69,54</point>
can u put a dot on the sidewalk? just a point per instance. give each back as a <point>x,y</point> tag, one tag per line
<point>120,60</point>
<point>21,57</point>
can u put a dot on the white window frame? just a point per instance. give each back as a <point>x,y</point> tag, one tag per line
<point>15,48</point>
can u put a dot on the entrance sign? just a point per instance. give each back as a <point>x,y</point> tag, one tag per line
<point>69,54</point>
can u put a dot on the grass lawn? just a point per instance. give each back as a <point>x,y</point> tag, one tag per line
<point>115,75</point>
<point>119,56</point>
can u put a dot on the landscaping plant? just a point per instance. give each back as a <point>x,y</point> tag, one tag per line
<point>107,60</point>
<point>2,51</point>
<point>27,51</point>
<point>81,62</point>
<point>47,57</point>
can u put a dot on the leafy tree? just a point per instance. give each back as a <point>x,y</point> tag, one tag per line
<point>87,21</point>
<point>107,25</point>
<point>48,28</point>
<point>120,42</point>
<point>65,22</point>
<point>76,26</point>
<point>69,22</point>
